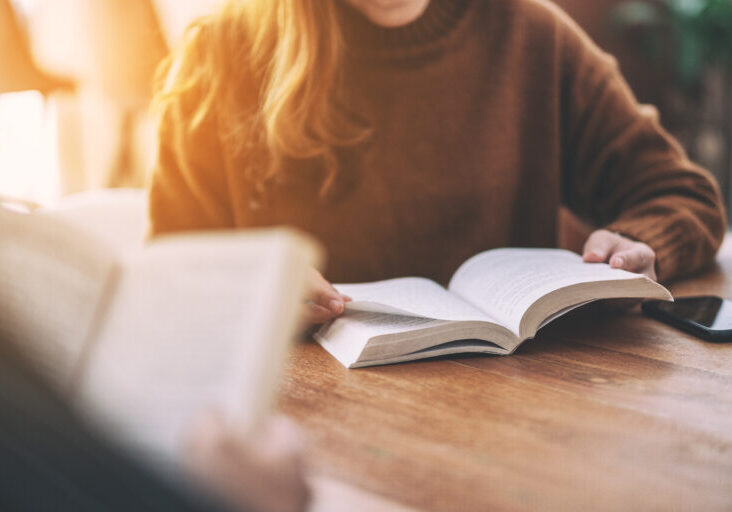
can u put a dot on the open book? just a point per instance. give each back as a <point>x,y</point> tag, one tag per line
<point>495,301</point>
<point>143,339</point>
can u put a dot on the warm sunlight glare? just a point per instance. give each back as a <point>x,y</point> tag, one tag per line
<point>28,147</point>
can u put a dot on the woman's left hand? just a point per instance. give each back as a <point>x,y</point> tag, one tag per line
<point>604,246</point>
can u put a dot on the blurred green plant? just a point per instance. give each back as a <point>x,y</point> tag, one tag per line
<point>689,36</point>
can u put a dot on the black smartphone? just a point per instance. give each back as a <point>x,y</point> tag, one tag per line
<point>706,316</point>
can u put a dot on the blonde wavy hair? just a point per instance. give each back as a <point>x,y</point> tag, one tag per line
<point>267,72</point>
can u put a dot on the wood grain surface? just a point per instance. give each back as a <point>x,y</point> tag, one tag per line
<point>602,411</point>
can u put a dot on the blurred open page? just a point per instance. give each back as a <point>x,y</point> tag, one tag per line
<point>52,280</point>
<point>196,322</point>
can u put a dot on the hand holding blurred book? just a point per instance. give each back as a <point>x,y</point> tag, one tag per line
<point>143,339</point>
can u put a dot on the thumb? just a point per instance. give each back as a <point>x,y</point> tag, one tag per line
<point>600,246</point>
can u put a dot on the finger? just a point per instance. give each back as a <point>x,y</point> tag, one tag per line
<point>282,438</point>
<point>599,246</point>
<point>316,314</point>
<point>323,291</point>
<point>632,260</point>
<point>203,439</point>
<point>324,294</point>
<point>262,472</point>
<point>272,458</point>
<point>328,287</point>
<point>639,259</point>
<point>336,305</point>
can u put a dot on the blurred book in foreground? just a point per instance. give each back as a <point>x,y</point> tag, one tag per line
<point>143,339</point>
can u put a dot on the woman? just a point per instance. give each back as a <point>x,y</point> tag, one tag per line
<point>408,135</point>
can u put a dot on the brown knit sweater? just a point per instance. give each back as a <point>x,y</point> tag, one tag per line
<point>487,115</point>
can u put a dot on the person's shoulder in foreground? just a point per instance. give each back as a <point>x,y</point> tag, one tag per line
<point>52,460</point>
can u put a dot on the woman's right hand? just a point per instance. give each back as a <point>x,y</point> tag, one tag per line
<point>323,300</point>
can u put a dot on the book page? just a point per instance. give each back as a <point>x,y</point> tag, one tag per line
<point>362,338</point>
<point>117,216</point>
<point>506,282</point>
<point>346,337</point>
<point>197,323</point>
<point>52,281</point>
<point>372,324</point>
<point>410,296</point>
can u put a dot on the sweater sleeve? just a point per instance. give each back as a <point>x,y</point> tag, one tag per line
<point>189,188</point>
<point>622,170</point>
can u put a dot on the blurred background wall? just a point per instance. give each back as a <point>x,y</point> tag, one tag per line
<point>86,67</point>
<point>594,16</point>
<point>75,86</point>
<point>677,55</point>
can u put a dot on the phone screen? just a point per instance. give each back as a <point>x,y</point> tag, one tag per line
<point>713,313</point>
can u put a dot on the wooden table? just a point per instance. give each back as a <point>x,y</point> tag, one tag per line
<point>600,412</point>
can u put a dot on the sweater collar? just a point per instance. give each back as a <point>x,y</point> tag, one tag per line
<point>362,36</point>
